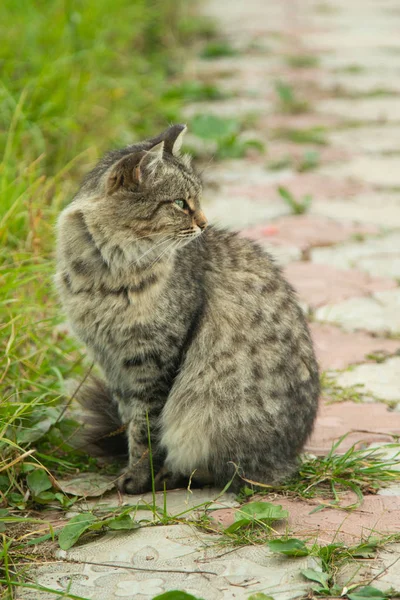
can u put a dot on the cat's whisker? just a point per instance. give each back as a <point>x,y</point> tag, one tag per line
<point>175,242</point>
<point>137,261</point>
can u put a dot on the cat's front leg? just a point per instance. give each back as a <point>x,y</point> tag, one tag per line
<point>136,477</point>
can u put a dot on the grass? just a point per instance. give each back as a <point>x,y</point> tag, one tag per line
<point>297,206</point>
<point>78,78</point>
<point>302,61</point>
<point>288,100</point>
<point>312,135</point>
<point>218,49</point>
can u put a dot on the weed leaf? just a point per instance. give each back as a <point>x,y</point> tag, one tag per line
<point>292,547</point>
<point>122,522</point>
<point>211,127</point>
<point>74,529</point>
<point>259,596</point>
<point>38,481</point>
<point>317,576</point>
<point>176,595</point>
<point>255,512</point>
<point>367,592</point>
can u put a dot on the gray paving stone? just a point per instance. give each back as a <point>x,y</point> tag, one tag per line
<point>236,107</point>
<point>380,171</point>
<point>378,256</point>
<point>365,109</point>
<point>237,213</point>
<point>178,502</point>
<point>172,557</point>
<point>379,313</point>
<point>371,140</point>
<point>382,209</point>
<point>377,380</point>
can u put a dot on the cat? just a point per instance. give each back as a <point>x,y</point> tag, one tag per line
<point>199,337</point>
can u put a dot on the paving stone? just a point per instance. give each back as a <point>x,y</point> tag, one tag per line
<point>361,39</point>
<point>380,171</point>
<point>245,176</point>
<point>364,425</point>
<point>371,60</point>
<point>368,82</point>
<point>192,503</point>
<point>319,284</point>
<point>236,213</point>
<point>372,140</point>
<point>364,109</point>
<point>377,514</point>
<point>364,208</point>
<point>336,349</point>
<point>381,380</point>
<point>237,107</point>
<point>379,313</point>
<point>377,256</point>
<point>172,557</point>
<point>305,231</point>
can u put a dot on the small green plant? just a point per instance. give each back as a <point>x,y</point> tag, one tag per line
<point>286,162</point>
<point>218,49</point>
<point>312,135</point>
<point>257,514</point>
<point>288,101</point>
<point>225,133</point>
<point>302,61</point>
<point>351,69</point>
<point>84,522</point>
<point>298,207</point>
<point>309,161</point>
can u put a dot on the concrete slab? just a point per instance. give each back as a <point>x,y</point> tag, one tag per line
<point>378,256</point>
<point>380,381</point>
<point>379,313</point>
<point>149,561</point>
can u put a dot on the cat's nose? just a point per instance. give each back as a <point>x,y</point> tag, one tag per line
<point>200,219</point>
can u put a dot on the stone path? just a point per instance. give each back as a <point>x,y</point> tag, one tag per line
<point>341,59</point>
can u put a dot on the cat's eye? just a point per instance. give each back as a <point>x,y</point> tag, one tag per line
<point>180,202</point>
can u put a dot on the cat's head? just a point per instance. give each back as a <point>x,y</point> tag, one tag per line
<point>147,191</point>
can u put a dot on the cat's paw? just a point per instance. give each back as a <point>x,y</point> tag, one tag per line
<point>133,481</point>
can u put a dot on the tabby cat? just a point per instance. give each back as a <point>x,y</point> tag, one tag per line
<point>198,335</point>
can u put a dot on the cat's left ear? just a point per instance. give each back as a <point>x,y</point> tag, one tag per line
<point>174,138</point>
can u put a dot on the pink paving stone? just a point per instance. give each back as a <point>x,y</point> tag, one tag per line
<point>336,349</point>
<point>317,185</point>
<point>377,514</point>
<point>318,285</point>
<point>364,423</point>
<point>306,231</point>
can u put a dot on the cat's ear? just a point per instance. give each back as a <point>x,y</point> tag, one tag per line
<point>130,171</point>
<point>174,138</point>
<point>124,174</point>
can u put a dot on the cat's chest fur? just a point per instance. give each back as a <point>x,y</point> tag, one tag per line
<point>135,325</point>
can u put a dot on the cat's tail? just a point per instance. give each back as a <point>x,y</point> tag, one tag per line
<point>103,433</point>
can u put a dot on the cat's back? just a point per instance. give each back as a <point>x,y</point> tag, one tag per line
<point>240,273</point>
